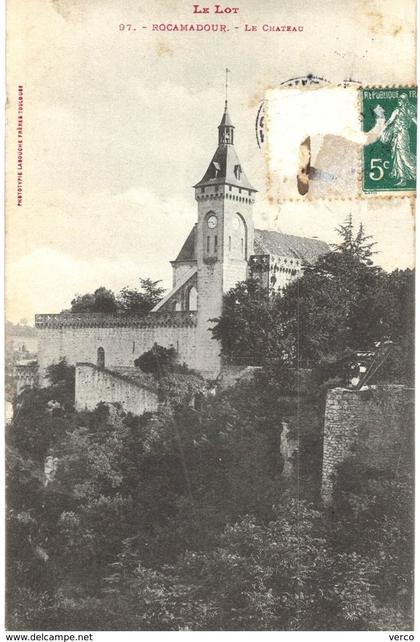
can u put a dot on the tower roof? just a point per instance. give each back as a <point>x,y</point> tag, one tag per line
<point>225,167</point>
<point>226,120</point>
<point>223,170</point>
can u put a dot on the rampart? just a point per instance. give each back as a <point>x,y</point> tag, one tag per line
<point>376,425</point>
<point>78,337</point>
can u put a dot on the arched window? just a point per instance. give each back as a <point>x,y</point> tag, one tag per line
<point>100,358</point>
<point>192,298</point>
<point>239,244</point>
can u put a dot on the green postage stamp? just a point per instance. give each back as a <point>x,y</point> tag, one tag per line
<point>389,163</point>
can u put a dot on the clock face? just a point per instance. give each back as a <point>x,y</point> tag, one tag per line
<point>212,222</point>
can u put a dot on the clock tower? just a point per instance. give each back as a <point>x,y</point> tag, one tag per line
<point>225,238</point>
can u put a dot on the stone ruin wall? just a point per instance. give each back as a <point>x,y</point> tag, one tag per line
<point>94,385</point>
<point>375,425</point>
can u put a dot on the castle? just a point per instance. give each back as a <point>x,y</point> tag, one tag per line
<point>222,249</point>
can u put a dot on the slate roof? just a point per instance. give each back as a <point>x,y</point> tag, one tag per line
<point>269,242</point>
<point>187,252</point>
<point>226,119</point>
<point>225,160</point>
<point>279,244</point>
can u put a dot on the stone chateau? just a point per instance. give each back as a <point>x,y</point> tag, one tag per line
<point>221,249</point>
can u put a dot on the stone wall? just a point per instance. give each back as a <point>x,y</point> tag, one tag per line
<point>94,385</point>
<point>376,425</point>
<point>210,297</point>
<point>25,376</point>
<point>78,337</point>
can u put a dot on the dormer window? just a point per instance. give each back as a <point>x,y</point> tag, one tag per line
<point>238,171</point>
<point>216,168</point>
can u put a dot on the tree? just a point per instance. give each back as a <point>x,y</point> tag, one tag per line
<point>342,304</point>
<point>335,308</point>
<point>129,301</point>
<point>161,362</point>
<point>246,324</point>
<point>374,514</point>
<point>158,361</point>
<point>357,244</point>
<point>140,301</point>
<point>181,519</point>
<point>61,374</point>
<point>280,575</point>
<point>102,300</point>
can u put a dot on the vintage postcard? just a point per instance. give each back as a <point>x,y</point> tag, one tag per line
<point>210,214</point>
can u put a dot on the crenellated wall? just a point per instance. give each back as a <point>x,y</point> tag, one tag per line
<point>77,337</point>
<point>25,376</point>
<point>375,425</point>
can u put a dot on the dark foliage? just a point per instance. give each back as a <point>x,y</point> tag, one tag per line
<point>129,301</point>
<point>341,305</point>
<point>102,300</point>
<point>140,302</point>
<point>159,361</point>
<point>182,519</point>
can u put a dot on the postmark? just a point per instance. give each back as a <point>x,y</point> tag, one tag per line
<point>389,162</point>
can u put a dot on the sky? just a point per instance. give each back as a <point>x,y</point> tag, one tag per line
<point>118,126</point>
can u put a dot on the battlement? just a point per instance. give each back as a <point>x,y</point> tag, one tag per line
<point>102,320</point>
<point>25,375</point>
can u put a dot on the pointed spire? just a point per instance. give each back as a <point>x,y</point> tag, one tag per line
<point>225,167</point>
<point>226,127</point>
<point>226,121</point>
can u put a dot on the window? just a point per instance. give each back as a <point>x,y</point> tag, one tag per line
<point>100,358</point>
<point>192,298</point>
<point>208,245</point>
<point>237,171</point>
<point>215,244</point>
<point>203,190</point>
<point>238,240</point>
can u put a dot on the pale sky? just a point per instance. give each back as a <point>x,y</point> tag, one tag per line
<point>119,125</point>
